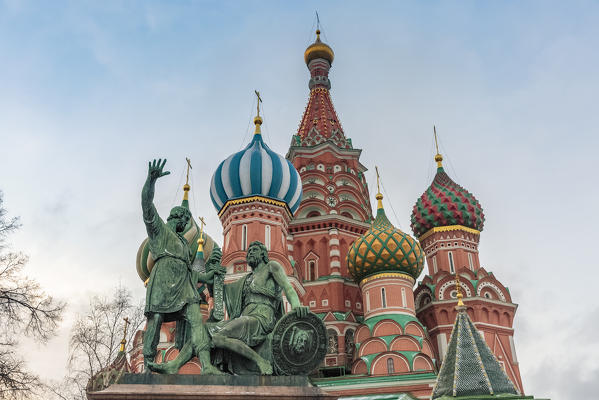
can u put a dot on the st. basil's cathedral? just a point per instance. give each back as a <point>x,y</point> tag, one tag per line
<point>387,331</point>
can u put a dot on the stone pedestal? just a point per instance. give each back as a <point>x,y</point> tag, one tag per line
<point>192,387</point>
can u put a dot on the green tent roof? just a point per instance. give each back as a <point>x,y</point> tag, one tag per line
<point>469,367</point>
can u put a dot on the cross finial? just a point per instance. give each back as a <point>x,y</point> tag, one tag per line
<point>258,102</point>
<point>201,239</point>
<point>188,168</point>
<point>379,195</point>
<point>378,178</point>
<point>124,340</point>
<point>317,22</point>
<point>202,223</point>
<point>438,156</point>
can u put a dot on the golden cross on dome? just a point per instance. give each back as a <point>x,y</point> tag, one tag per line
<point>259,101</point>
<point>378,186</point>
<point>379,195</point>
<point>188,168</point>
<point>438,156</point>
<point>202,223</point>
<point>126,319</point>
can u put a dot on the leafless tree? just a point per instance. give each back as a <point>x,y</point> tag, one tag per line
<point>95,340</point>
<point>25,309</point>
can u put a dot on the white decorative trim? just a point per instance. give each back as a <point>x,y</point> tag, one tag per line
<point>335,264</point>
<point>334,242</point>
<point>420,295</point>
<point>451,283</point>
<point>334,253</point>
<point>483,285</point>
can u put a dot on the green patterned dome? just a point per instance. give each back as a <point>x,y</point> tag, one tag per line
<point>446,203</point>
<point>384,248</point>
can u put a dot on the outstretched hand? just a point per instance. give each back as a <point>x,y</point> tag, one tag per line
<point>155,169</point>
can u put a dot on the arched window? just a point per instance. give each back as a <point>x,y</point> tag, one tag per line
<point>470,261</point>
<point>311,271</point>
<point>312,214</point>
<point>349,342</point>
<point>244,237</point>
<point>383,298</point>
<point>451,267</point>
<point>390,366</point>
<point>267,237</point>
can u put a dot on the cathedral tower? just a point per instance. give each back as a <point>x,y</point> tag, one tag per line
<point>255,191</point>
<point>386,262</point>
<point>334,211</point>
<point>448,220</point>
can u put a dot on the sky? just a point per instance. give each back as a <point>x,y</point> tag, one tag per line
<point>91,91</point>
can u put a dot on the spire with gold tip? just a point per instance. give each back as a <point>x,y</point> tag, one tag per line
<point>384,248</point>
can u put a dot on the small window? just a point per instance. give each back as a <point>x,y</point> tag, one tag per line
<point>347,303</point>
<point>267,237</point>
<point>244,237</point>
<point>383,298</point>
<point>311,271</point>
<point>451,267</point>
<point>313,214</point>
<point>359,305</point>
<point>435,268</point>
<point>368,300</point>
<point>390,366</point>
<point>325,302</point>
<point>403,298</point>
<point>312,303</point>
<point>470,261</point>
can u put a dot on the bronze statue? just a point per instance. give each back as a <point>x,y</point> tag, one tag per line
<point>171,293</point>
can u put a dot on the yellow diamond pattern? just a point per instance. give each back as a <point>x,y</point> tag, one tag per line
<point>383,250</point>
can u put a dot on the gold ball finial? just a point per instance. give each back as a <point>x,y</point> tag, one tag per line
<point>439,160</point>
<point>257,122</point>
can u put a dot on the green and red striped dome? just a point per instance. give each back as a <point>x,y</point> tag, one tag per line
<point>446,203</point>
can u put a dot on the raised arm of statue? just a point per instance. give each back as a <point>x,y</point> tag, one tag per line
<point>280,277</point>
<point>151,218</point>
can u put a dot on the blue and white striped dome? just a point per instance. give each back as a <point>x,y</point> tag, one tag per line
<point>256,171</point>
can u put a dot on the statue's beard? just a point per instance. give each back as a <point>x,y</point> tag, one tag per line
<point>253,261</point>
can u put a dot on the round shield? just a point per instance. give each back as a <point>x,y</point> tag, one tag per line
<point>298,344</point>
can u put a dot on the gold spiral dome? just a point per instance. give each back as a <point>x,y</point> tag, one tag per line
<point>319,49</point>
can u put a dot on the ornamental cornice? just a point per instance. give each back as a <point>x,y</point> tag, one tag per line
<point>261,199</point>
<point>448,229</point>
<point>385,275</point>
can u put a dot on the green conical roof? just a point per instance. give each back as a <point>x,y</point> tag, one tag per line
<point>469,367</point>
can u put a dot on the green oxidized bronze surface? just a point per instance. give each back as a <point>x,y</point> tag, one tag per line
<point>298,344</point>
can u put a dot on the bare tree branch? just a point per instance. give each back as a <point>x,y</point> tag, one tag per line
<point>25,309</point>
<point>95,339</point>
